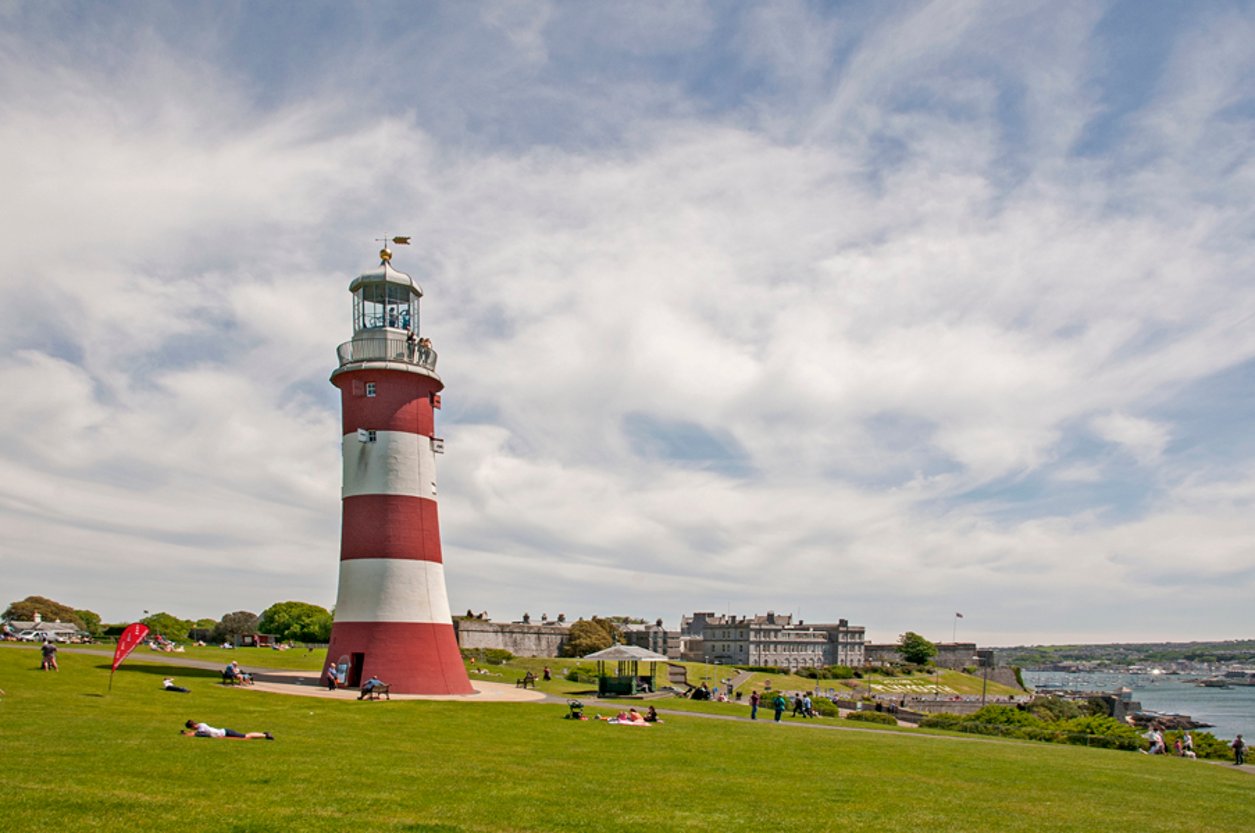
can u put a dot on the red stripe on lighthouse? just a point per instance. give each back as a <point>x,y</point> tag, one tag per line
<point>390,526</point>
<point>402,401</point>
<point>414,657</point>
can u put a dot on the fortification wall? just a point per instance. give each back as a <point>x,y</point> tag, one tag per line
<point>520,640</point>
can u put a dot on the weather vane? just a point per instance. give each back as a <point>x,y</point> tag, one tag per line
<point>385,254</point>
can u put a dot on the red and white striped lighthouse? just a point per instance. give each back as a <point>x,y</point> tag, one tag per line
<point>392,616</point>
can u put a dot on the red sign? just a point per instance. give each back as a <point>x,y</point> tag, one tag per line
<point>130,638</point>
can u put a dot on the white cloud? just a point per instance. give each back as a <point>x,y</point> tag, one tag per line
<point>870,270</point>
<point>1142,438</point>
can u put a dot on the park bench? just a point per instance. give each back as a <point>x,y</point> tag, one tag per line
<point>231,679</point>
<point>382,688</point>
<point>529,679</point>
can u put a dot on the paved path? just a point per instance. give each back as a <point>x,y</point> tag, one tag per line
<point>306,683</point>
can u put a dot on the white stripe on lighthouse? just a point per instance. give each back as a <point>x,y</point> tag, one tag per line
<point>392,590</point>
<point>396,463</point>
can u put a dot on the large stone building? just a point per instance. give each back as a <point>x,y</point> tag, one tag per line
<point>772,639</point>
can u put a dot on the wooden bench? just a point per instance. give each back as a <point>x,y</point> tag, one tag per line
<point>529,679</point>
<point>382,688</point>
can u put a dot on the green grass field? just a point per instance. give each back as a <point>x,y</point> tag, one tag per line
<point>81,759</point>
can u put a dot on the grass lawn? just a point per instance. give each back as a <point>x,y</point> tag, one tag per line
<point>79,759</point>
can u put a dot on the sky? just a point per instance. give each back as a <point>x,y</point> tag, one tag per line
<point>876,311</point>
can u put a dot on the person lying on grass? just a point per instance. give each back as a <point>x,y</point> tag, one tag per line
<point>204,730</point>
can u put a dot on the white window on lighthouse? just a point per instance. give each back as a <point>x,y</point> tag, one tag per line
<point>370,388</point>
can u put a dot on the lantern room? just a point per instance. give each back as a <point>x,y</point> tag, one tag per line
<point>385,299</point>
<point>385,319</point>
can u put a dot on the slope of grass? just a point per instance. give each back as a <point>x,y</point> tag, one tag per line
<point>83,760</point>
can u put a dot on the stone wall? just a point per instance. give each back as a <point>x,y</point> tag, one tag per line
<point>519,639</point>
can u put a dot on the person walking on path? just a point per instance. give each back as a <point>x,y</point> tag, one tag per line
<point>1239,751</point>
<point>754,705</point>
<point>779,704</point>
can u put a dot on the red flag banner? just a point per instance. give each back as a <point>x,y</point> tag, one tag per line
<point>131,637</point>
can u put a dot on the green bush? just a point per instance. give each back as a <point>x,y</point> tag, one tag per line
<point>1055,708</point>
<point>827,672</point>
<point>580,674</point>
<point>1115,734</point>
<point>1004,716</point>
<point>488,656</point>
<point>873,717</point>
<point>953,722</point>
<point>825,708</point>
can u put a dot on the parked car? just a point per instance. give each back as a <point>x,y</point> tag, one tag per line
<point>31,636</point>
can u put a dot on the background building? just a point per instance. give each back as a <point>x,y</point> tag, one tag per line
<point>771,639</point>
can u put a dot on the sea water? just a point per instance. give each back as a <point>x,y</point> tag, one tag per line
<point>1229,710</point>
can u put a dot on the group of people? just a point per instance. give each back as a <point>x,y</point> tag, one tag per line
<point>160,643</point>
<point>802,705</point>
<point>234,674</point>
<point>633,716</point>
<point>419,349</point>
<point>1183,747</point>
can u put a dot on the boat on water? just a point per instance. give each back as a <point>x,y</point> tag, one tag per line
<point>1240,677</point>
<point>1230,679</point>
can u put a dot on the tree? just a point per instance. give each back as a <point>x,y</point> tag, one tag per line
<point>296,622</point>
<point>589,635</point>
<point>916,649</point>
<point>234,624</point>
<point>47,609</point>
<point>91,621</point>
<point>203,630</point>
<point>168,625</point>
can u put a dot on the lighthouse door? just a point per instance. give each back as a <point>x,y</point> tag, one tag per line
<point>355,670</point>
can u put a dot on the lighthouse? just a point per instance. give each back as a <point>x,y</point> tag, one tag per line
<point>392,618</point>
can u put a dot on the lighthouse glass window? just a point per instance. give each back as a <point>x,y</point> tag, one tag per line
<point>385,305</point>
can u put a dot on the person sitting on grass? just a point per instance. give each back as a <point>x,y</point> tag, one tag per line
<point>651,716</point>
<point>204,730</point>
<point>369,686</point>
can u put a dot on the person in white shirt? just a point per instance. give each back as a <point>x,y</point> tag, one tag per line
<point>203,730</point>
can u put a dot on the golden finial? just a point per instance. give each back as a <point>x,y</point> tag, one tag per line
<point>385,254</point>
